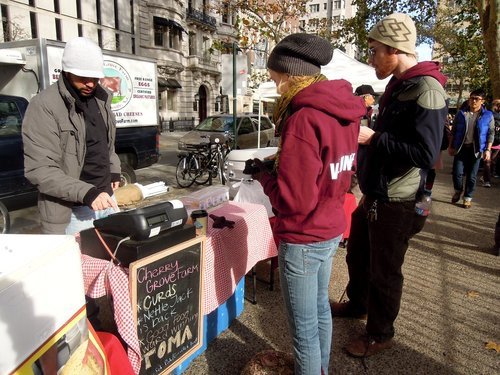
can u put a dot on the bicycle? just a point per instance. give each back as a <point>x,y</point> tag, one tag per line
<point>202,163</point>
<point>4,219</point>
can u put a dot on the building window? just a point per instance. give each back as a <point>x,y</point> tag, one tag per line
<point>98,11</point>
<point>117,24</point>
<point>117,41</point>
<point>79,9</point>
<point>160,32</point>
<point>167,33</point>
<point>174,37</point>
<point>314,8</point>
<point>57,9</point>
<point>58,29</point>
<point>31,3</point>
<point>99,37</point>
<point>325,6</point>
<point>192,44</point>
<point>34,25</point>
<point>80,29</point>
<point>171,100</point>
<point>226,14</point>
<point>5,23</point>
<point>337,4</point>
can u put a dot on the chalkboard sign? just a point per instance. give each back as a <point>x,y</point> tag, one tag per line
<point>167,301</point>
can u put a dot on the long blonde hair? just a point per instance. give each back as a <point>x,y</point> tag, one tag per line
<point>281,112</point>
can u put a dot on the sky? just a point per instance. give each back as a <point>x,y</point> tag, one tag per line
<point>424,52</point>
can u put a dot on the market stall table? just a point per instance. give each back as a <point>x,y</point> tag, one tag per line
<point>230,253</point>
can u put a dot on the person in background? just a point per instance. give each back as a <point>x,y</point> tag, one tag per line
<point>392,159</point>
<point>69,136</point>
<point>471,139</point>
<point>490,166</point>
<point>312,172</point>
<point>368,95</point>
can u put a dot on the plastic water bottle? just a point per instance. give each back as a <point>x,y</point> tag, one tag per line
<point>423,206</point>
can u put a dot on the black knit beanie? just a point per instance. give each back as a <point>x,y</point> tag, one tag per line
<point>300,55</point>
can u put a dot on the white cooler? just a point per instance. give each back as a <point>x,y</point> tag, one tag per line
<point>235,163</point>
<point>41,294</point>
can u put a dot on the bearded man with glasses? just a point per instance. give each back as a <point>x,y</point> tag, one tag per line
<point>393,158</point>
<point>471,139</point>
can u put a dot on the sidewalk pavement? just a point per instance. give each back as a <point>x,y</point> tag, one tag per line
<point>450,307</point>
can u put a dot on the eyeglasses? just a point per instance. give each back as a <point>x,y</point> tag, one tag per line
<point>372,51</point>
<point>475,99</point>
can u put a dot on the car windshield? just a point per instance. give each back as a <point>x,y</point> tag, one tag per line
<point>216,124</point>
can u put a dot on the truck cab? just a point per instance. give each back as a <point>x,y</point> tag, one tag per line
<point>16,192</point>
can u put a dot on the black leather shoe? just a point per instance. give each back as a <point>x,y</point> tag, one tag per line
<point>345,310</point>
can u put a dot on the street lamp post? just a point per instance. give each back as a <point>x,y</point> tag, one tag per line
<point>235,47</point>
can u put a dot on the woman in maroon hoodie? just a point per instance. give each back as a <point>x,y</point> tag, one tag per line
<point>318,124</point>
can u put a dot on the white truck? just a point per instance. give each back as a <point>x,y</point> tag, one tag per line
<point>29,66</point>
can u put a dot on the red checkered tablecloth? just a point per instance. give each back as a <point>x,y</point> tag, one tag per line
<point>230,253</point>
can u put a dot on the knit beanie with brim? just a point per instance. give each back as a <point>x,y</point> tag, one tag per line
<point>300,55</point>
<point>396,30</point>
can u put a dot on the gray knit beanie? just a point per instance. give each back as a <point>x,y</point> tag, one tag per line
<point>300,55</point>
<point>396,30</point>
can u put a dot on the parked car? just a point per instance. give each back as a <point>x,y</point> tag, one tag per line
<point>16,192</point>
<point>221,126</point>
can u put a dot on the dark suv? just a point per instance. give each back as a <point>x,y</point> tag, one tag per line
<point>222,126</point>
<point>15,190</point>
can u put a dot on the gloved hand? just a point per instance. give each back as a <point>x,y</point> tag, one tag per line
<point>221,222</point>
<point>260,169</point>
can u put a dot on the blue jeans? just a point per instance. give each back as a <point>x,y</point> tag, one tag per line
<point>465,164</point>
<point>82,217</point>
<point>305,275</point>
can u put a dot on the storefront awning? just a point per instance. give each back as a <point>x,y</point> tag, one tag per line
<point>168,23</point>
<point>168,83</point>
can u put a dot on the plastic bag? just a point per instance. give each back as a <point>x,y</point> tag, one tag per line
<point>252,192</point>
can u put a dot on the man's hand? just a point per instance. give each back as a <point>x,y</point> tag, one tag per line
<point>115,185</point>
<point>486,155</point>
<point>365,135</point>
<point>104,201</point>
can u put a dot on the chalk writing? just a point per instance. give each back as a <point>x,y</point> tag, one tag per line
<point>166,290</point>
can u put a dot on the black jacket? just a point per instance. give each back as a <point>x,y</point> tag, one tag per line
<point>408,135</point>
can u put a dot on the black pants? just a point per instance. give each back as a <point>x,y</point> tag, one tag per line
<point>375,255</point>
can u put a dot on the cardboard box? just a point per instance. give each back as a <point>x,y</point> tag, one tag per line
<point>205,198</point>
<point>42,296</point>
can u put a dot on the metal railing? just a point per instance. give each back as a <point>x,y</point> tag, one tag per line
<point>179,124</point>
<point>201,17</point>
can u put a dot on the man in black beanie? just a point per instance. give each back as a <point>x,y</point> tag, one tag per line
<point>318,124</point>
<point>368,95</point>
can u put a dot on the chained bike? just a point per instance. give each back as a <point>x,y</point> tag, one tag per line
<point>202,163</point>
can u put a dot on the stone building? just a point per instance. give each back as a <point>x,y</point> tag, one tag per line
<point>179,34</point>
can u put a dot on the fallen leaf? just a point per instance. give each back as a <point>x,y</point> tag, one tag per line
<point>493,346</point>
<point>472,294</point>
